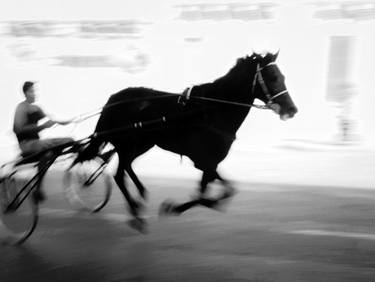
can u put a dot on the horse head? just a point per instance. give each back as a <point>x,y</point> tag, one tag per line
<point>269,85</point>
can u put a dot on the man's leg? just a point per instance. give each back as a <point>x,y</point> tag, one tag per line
<point>50,143</point>
<point>48,156</point>
<point>36,146</point>
<point>39,194</point>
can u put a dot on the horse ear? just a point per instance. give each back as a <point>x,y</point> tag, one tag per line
<point>276,54</point>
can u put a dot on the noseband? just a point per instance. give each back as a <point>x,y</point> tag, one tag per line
<point>258,77</point>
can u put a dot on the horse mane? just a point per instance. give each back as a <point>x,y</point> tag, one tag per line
<point>242,70</point>
<point>245,65</point>
<point>242,65</point>
<point>236,77</point>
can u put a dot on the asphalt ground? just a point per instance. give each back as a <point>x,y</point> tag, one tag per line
<point>268,232</point>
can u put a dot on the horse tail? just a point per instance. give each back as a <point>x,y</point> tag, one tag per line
<point>96,142</point>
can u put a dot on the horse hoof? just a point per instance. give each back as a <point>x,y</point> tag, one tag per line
<point>229,193</point>
<point>138,224</point>
<point>211,203</point>
<point>167,208</point>
<point>139,206</point>
<point>220,206</point>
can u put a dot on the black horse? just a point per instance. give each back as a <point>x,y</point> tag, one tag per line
<point>200,124</point>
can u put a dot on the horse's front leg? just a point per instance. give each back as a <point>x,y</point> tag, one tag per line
<point>214,202</point>
<point>169,207</point>
<point>228,191</point>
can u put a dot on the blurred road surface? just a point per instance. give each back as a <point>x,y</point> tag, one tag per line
<point>269,232</point>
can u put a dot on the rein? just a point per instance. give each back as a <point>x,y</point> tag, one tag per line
<point>262,107</point>
<point>90,114</point>
<point>98,111</point>
<point>186,95</point>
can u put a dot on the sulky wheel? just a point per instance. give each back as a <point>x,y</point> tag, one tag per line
<point>18,211</point>
<point>87,185</point>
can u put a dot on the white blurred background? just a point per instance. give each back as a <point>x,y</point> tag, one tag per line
<point>81,52</point>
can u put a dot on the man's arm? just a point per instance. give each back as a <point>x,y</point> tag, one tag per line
<point>56,121</point>
<point>61,122</point>
<point>20,120</point>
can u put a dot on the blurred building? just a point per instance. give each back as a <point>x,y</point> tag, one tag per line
<point>341,87</point>
<point>80,56</point>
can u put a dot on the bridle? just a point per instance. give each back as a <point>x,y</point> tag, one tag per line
<point>258,77</point>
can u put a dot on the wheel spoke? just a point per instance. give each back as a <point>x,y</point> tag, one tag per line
<point>88,186</point>
<point>18,218</point>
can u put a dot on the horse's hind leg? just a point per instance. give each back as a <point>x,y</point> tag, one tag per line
<point>136,222</point>
<point>119,179</point>
<point>141,189</point>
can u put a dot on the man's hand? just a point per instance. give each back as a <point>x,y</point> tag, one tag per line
<point>65,122</point>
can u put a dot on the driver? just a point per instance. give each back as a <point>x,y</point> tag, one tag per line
<point>27,128</point>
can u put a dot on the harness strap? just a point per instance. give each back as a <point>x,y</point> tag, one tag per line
<point>259,77</point>
<point>279,94</point>
<point>269,64</point>
<point>264,107</point>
